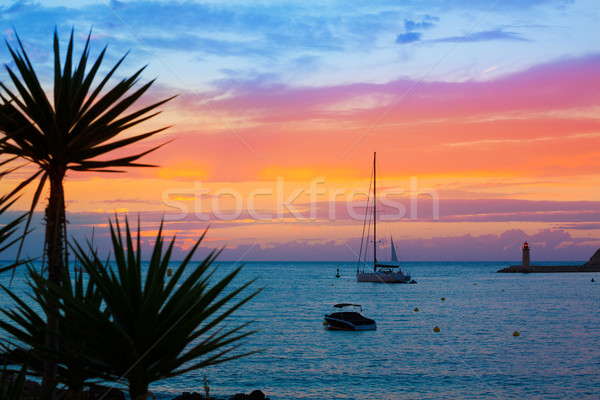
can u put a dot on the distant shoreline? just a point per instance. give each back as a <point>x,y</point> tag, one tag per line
<point>565,262</point>
<point>550,269</point>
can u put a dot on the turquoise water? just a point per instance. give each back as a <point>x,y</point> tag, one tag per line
<point>474,356</point>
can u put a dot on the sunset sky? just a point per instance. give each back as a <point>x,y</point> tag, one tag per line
<point>485,116</point>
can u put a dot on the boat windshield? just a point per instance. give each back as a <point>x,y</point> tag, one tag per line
<point>342,305</point>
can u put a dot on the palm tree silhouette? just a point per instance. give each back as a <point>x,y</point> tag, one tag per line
<point>68,132</point>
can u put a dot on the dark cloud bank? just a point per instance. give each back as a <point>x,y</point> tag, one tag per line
<point>547,244</point>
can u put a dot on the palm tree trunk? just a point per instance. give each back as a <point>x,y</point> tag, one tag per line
<point>138,388</point>
<point>55,219</point>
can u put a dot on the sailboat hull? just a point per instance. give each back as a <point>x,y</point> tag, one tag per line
<point>383,277</point>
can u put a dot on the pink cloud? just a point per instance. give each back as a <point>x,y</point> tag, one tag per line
<point>524,120</point>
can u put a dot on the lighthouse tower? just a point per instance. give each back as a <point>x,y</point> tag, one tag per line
<point>525,254</point>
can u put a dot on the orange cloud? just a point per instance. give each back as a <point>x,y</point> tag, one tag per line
<point>186,170</point>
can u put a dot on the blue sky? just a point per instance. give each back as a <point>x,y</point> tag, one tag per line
<point>492,102</point>
<point>319,43</point>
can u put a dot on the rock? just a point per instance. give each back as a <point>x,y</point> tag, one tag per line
<point>189,396</point>
<point>255,395</point>
<point>98,392</point>
<point>29,391</point>
<point>595,259</point>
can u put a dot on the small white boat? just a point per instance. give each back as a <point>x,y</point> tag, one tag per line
<point>352,320</point>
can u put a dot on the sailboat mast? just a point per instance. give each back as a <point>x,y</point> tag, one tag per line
<point>374,212</point>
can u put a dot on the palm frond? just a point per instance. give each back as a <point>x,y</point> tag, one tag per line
<point>156,326</point>
<point>8,231</point>
<point>83,121</point>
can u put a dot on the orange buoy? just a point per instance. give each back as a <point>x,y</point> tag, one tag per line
<point>436,329</point>
<point>516,333</point>
<point>416,309</point>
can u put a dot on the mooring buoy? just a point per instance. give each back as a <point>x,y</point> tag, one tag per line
<point>436,329</point>
<point>516,333</point>
<point>416,309</point>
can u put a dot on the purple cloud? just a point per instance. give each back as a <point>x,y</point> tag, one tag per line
<point>484,36</point>
<point>408,37</point>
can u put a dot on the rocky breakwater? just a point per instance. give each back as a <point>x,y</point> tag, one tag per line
<point>591,266</point>
<point>594,260</point>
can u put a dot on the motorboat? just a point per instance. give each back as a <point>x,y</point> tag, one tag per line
<point>348,317</point>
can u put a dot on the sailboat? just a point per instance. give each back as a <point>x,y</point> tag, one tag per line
<point>383,272</point>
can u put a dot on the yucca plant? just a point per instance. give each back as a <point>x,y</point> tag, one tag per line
<point>26,326</point>
<point>12,382</point>
<point>8,231</point>
<point>67,133</point>
<point>154,327</point>
<point>70,132</point>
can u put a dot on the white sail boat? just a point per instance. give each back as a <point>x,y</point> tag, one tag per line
<point>383,272</point>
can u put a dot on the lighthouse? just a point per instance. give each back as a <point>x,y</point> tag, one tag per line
<point>525,254</point>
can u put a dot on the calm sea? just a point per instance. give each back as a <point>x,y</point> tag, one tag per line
<point>474,356</point>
